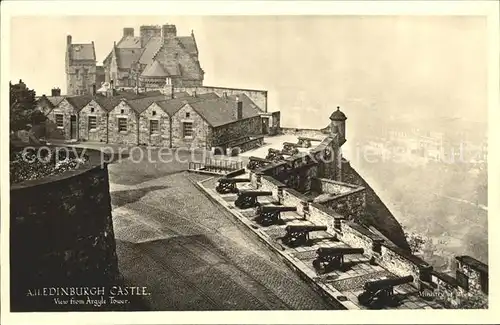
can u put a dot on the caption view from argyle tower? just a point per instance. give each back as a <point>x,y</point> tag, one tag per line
<point>248,163</point>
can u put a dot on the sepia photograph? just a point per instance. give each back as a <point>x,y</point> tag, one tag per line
<point>242,162</point>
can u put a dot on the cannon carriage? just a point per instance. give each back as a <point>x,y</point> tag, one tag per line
<point>257,162</point>
<point>267,215</point>
<point>248,198</point>
<point>380,293</point>
<point>274,155</point>
<point>228,185</point>
<point>332,258</point>
<point>297,235</point>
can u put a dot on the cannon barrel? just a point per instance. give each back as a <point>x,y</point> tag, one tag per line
<point>387,283</point>
<point>339,250</point>
<point>254,193</point>
<point>310,139</point>
<point>253,158</point>
<point>290,144</point>
<point>292,228</point>
<point>275,208</point>
<point>274,150</point>
<point>233,180</point>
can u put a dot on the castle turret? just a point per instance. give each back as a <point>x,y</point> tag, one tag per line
<point>168,31</point>
<point>337,124</point>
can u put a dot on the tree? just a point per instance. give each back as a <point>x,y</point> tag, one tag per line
<point>23,107</point>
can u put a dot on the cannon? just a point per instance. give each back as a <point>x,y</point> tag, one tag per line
<point>248,198</point>
<point>270,215</point>
<point>297,235</point>
<point>380,293</point>
<point>228,185</point>
<point>305,142</point>
<point>274,155</point>
<point>256,162</point>
<point>290,148</point>
<point>329,258</point>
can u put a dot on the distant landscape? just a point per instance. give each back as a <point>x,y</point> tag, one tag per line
<point>445,204</point>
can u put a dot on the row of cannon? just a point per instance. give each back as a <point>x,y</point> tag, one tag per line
<point>376,294</point>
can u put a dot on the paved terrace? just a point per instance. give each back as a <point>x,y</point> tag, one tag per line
<point>340,286</point>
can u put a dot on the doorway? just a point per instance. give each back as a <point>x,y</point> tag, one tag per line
<point>73,127</point>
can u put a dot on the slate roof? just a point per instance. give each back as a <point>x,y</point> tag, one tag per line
<point>181,94</point>
<point>82,52</point>
<point>78,102</point>
<point>107,103</point>
<point>126,57</point>
<point>222,111</point>
<point>129,42</point>
<point>55,100</point>
<point>189,44</point>
<point>171,106</point>
<point>155,70</point>
<point>154,44</point>
<point>140,104</point>
<point>208,96</point>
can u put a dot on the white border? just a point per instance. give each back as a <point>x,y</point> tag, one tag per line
<point>114,8</point>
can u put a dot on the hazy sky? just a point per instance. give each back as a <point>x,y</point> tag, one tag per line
<point>309,64</point>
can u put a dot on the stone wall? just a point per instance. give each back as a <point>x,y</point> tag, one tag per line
<point>100,133</point>
<point>61,235</point>
<point>270,184</point>
<point>259,97</point>
<point>352,205</point>
<point>130,136</point>
<point>66,109</point>
<point>202,132</point>
<point>160,138</point>
<point>333,187</point>
<point>377,213</point>
<point>237,129</point>
<point>84,80</point>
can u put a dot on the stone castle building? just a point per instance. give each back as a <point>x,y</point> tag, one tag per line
<point>156,57</point>
<point>81,68</point>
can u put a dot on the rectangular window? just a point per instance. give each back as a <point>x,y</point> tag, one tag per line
<point>154,126</point>
<point>187,129</point>
<point>60,120</point>
<point>122,124</point>
<point>92,122</point>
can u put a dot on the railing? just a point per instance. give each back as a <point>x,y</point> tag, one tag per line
<point>216,166</point>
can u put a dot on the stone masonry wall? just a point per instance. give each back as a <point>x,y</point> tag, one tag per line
<point>352,205</point>
<point>237,129</point>
<point>129,137</point>
<point>66,109</point>
<point>98,134</point>
<point>202,132</point>
<point>61,235</point>
<point>333,187</point>
<point>259,97</point>
<point>162,137</point>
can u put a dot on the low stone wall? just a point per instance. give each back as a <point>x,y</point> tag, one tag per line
<point>61,235</point>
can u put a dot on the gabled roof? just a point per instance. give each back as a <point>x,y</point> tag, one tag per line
<point>171,106</point>
<point>152,46</point>
<point>139,105</point>
<point>222,111</point>
<point>79,102</point>
<point>107,103</point>
<point>129,42</point>
<point>208,96</point>
<point>181,94</point>
<point>189,44</point>
<point>55,100</point>
<point>82,52</point>
<point>155,70</point>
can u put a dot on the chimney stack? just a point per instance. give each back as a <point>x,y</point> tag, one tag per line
<point>94,90</point>
<point>194,93</point>
<point>239,108</point>
<point>68,40</point>
<point>128,31</point>
<point>56,92</point>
